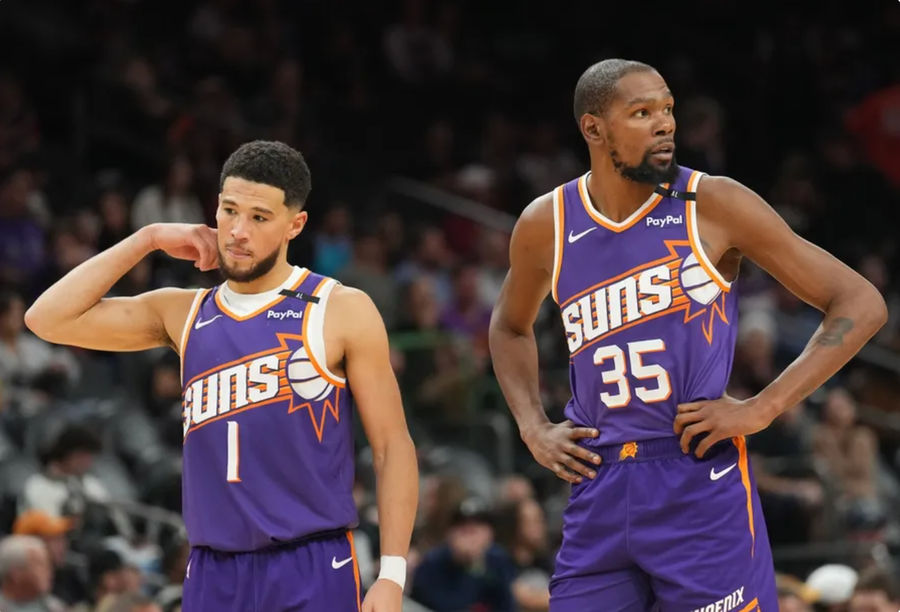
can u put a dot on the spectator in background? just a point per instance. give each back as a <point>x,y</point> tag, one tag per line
<point>876,591</point>
<point>130,602</point>
<point>112,206</point>
<point>109,577</point>
<point>470,571</point>
<point>23,255</point>
<point>174,566</point>
<point>466,315</point>
<point>54,531</point>
<point>26,576</point>
<point>64,487</point>
<point>27,363</point>
<point>368,271</point>
<point>790,491</point>
<point>173,201</point>
<point>333,246</point>
<point>432,258</point>
<point>524,536</point>
<point>849,453</point>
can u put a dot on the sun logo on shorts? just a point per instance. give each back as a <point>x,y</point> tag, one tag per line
<point>629,451</point>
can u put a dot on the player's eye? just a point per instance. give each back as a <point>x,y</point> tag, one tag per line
<point>642,112</point>
<point>259,218</point>
<point>668,109</point>
<point>228,211</point>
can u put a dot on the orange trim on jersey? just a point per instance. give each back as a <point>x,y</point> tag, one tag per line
<point>744,467</point>
<point>188,325</point>
<point>609,224</point>
<point>327,406</point>
<point>355,569</point>
<point>751,606</point>
<point>278,398</point>
<point>689,213</point>
<point>259,310</point>
<point>672,258</point>
<point>559,224</point>
<point>309,352</point>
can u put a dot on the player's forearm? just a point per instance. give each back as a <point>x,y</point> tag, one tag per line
<point>851,320</point>
<point>84,286</point>
<point>515,358</point>
<point>397,474</point>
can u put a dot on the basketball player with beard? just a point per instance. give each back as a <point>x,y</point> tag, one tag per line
<point>642,257</point>
<point>275,361</point>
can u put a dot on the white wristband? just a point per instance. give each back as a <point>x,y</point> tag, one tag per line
<point>393,568</point>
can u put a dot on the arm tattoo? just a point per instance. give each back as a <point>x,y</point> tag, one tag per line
<point>833,334</point>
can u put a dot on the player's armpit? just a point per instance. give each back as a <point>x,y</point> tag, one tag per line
<point>149,320</point>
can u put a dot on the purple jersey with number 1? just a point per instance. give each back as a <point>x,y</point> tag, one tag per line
<point>650,323</point>
<point>268,456</point>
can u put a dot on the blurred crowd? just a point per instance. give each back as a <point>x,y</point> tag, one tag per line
<point>116,114</point>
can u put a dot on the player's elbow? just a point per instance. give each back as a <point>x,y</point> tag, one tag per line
<point>878,309</point>
<point>37,322</point>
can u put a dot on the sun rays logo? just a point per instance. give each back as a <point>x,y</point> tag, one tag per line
<point>673,283</point>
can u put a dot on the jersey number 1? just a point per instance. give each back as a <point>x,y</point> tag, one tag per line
<point>617,374</point>
<point>234,453</point>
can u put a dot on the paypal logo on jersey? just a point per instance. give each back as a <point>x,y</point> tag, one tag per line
<point>284,314</point>
<point>665,221</point>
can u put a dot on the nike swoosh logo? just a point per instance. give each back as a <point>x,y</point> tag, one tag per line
<point>714,475</point>
<point>577,237</point>
<point>200,324</point>
<point>335,564</point>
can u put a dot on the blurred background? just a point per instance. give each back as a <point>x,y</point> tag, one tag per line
<point>428,126</point>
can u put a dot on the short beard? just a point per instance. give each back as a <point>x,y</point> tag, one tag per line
<point>259,269</point>
<point>645,172</point>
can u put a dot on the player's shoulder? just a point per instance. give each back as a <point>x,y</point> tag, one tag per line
<point>723,196</point>
<point>351,301</point>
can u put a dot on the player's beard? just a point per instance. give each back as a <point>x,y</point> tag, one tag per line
<point>257,270</point>
<point>645,172</point>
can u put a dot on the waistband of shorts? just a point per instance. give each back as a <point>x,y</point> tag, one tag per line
<point>652,449</point>
<point>277,545</point>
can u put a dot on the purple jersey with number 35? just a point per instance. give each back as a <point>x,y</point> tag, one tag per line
<point>649,321</point>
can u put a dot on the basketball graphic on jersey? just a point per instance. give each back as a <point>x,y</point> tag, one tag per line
<point>305,379</point>
<point>699,286</point>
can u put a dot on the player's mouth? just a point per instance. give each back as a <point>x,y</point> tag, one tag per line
<point>237,253</point>
<point>663,152</point>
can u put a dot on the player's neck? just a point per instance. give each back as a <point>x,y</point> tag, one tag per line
<point>614,196</point>
<point>268,281</point>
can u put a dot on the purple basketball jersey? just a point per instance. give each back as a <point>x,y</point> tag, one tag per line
<point>268,438</point>
<point>649,321</point>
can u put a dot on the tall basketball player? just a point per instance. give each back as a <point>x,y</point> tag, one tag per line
<point>274,362</point>
<point>641,255</point>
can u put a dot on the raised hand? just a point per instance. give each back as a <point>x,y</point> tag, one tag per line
<point>553,446</point>
<point>194,242</point>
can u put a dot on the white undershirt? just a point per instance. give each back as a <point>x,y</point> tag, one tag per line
<point>245,303</point>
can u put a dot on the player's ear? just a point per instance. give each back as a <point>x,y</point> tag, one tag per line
<point>592,129</point>
<point>298,222</point>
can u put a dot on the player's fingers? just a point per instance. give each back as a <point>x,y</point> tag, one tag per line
<point>690,407</point>
<point>689,432</point>
<point>583,454</point>
<point>707,443</point>
<point>685,419</point>
<point>576,466</point>
<point>561,472</point>
<point>583,432</point>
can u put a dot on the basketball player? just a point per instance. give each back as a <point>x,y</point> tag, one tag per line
<point>641,255</point>
<point>274,361</point>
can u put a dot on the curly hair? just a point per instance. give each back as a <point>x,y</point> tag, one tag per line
<point>271,163</point>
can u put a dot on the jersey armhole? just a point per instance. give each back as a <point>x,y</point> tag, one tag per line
<point>559,221</point>
<point>694,235</point>
<point>188,323</point>
<point>314,333</point>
